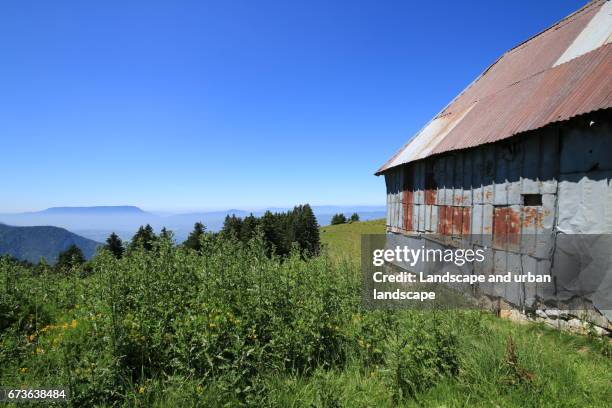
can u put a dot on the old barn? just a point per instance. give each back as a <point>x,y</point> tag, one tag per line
<point>524,151</point>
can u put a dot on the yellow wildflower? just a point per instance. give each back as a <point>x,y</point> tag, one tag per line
<point>23,370</point>
<point>73,324</point>
<point>141,390</point>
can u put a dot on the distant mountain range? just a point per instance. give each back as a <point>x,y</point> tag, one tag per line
<point>96,210</point>
<point>32,243</point>
<point>98,222</point>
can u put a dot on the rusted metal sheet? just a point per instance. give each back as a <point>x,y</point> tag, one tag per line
<point>487,219</point>
<point>489,174</point>
<point>457,221</point>
<point>448,180</point>
<point>522,91</point>
<point>467,178</point>
<point>458,180</point>
<point>596,33</point>
<point>466,220</point>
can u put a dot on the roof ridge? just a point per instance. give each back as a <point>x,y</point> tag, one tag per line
<point>535,74</point>
<point>566,20</point>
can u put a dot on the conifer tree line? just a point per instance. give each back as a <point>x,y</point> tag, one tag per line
<point>341,218</point>
<point>281,231</point>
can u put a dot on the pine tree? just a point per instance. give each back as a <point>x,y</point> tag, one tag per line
<point>166,234</point>
<point>273,233</point>
<point>71,257</point>
<point>311,241</point>
<point>232,226</point>
<point>144,238</point>
<point>115,245</point>
<point>354,217</point>
<point>193,240</point>
<point>248,228</point>
<point>338,219</point>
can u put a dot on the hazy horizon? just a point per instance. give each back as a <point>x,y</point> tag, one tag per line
<point>214,105</point>
<point>186,210</point>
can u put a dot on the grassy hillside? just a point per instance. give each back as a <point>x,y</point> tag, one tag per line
<point>32,243</point>
<point>502,363</point>
<point>343,241</point>
<point>230,326</point>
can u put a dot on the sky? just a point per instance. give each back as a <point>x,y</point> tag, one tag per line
<point>195,105</point>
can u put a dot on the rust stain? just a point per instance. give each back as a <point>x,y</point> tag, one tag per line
<point>532,217</point>
<point>506,226</point>
<point>458,200</point>
<point>407,196</point>
<point>445,220</point>
<point>457,220</point>
<point>430,197</point>
<point>467,226</point>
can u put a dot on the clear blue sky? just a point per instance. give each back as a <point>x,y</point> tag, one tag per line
<point>179,105</point>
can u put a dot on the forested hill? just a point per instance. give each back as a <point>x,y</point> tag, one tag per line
<point>32,243</point>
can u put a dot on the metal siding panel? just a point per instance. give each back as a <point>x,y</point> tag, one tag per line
<point>545,236</point>
<point>500,195</point>
<point>514,290</point>
<point>439,169</point>
<point>449,179</point>
<point>544,291</point>
<point>500,268</point>
<point>434,219</point>
<point>428,218</point>
<point>586,146</point>
<point>477,223</point>
<point>458,180</point>
<point>531,220</point>
<point>466,222</point>
<point>549,161</point>
<point>420,183</point>
<point>530,165</point>
<point>514,228</point>
<point>514,173</point>
<point>489,174</point>
<point>530,264</point>
<point>421,217</point>
<point>477,176</point>
<point>457,221</point>
<point>388,210</point>
<point>467,177</point>
<point>486,268</point>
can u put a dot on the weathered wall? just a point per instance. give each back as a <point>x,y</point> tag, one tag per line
<point>513,196</point>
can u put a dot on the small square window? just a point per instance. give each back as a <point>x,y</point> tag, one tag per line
<point>532,199</point>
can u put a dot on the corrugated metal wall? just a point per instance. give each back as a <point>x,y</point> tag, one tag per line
<point>511,196</point>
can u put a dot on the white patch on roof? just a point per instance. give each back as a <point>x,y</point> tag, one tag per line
<point>598,32</point>
<point>428,138</point>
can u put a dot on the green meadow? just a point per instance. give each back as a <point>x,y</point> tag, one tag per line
<point>230,325</point>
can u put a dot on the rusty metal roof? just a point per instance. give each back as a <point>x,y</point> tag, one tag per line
<point>564,71</point>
